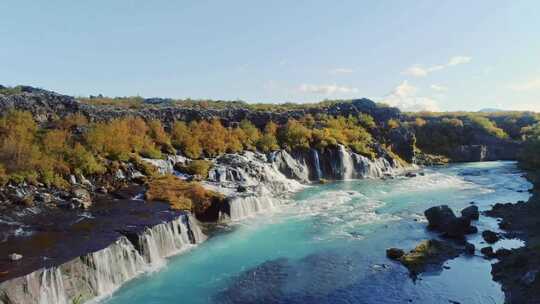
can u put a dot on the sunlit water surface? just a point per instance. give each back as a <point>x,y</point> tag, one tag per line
<point>327,245</point>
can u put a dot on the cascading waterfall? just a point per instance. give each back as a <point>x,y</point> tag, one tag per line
<point>245,206</point>
<point>113,266</point>
<point>52,289</point>
<point>347,166</point>
<point>170,238</point>
<point>317,162</point>
<point>100,273</point>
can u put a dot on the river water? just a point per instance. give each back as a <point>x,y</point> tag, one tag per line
<point>327,245</point>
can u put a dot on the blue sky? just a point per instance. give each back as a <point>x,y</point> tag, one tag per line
<point>445,55</point>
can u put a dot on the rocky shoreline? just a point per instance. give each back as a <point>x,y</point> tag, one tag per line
<point>518,270</point>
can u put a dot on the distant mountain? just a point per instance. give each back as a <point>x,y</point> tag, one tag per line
<point>490,110</point>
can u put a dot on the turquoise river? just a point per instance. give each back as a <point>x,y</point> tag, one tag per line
<point>327,245</point>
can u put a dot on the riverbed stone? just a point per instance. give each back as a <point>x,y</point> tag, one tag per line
<point>471,213</point>
<point>469,248</point>
<point>529,278</point>
<point>429,254</point>
<point>442,219</point>
<point>394,253</point>
<point>15,257</point>
<point>488,252</point>
<point>490,236</point>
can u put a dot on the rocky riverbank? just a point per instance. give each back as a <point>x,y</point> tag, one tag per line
<point>519,269</point>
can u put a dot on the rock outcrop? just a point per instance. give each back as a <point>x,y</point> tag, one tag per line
<point>47,105</point>
<point>443,219</point>
<point>501,150</point>
<point>429,255</point>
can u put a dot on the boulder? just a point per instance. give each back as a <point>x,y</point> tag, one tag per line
<point>488,252</point>
<point>503,252</point>
<point>439,216</point>
<point>471,213</point>
<point>82,198</point>
<point>102,190</point>
<point>443,219</point>
<point>394,253</point>
<point>469,248</point>
<point>15,257</point>
<point>119,175</point>
<point>458,227</point>
<point>429,254</point>
<point>44,197</point>
<point>410,174</point>
<point>73,179</point>
<point>529,278</point>
<point>490,236</point>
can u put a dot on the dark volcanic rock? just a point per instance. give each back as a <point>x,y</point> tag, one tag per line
<point>439,216</point>
<point>469,248</point>
<point>488,252</point>
<point>501,253</point>
<point>47,106</point>
<point>471,213</point>
<point>443,219</point>
<point>490,236</point>
<point>493,149</point>
<point>394,253</point>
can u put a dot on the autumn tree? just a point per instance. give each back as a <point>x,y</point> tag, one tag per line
<point>18,151</point>
<point>252,134</point>
<point>268,141</point>
<point>294,135</point>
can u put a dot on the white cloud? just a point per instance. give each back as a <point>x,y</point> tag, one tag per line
<point>529,85</point>
<point>341,71</point>
<point>438,88</point>
<point>458,60</point>
<point>416,71</point>
<point>421,71</point>
<point>405,97</point>
<point>326,89</point>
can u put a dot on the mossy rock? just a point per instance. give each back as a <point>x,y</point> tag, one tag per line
<point>429,255</point>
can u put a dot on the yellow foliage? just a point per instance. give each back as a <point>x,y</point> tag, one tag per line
<point>252,134</point>
<point>72,121</point>
<point>197,167</point>
<point>179,194</point>
<point>295,135</point>
<point>4,178</point>
<point>17,141</point>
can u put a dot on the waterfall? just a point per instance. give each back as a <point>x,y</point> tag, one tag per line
<point>289,166</point>
<point>317,163</point>
<point>98,274</point>
<point>246,206</point>
<point>252,170</point>
<point>169,238</point>
<point>113,266</point>
<point>52,289</point>
<point>194,227</point>
<point>163,166</point>
<point>347,166</point>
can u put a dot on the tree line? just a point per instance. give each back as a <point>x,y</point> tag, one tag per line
<point>51,152</point>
